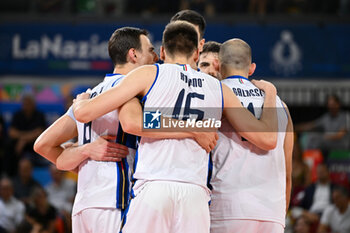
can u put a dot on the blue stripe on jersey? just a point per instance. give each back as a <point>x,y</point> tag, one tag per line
<point>122,194</point>
<point>124,217</point>
<point>109,75</point>
<point>210,171</point>
<point>237,76</point>
<point>126,139</point>
<point>132,195</point>
<point>135,165</point>
<point>145,97</point>
<point>119,180</point>
<point>127,183</point>
<point>222,96</point>
<point>118,79</point>
<point>123,169</point>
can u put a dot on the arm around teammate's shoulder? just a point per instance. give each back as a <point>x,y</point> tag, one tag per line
<point>136,83</point>
<point>263,132</point>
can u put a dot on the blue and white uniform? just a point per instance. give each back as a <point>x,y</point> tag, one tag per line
<point>170,194</point>
<point>248,183</point>
<point>103,187</point>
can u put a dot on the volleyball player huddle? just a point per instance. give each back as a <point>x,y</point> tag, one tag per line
<point>168,181</point>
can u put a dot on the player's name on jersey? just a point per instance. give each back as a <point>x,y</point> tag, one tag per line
<point>194,82</point>
<point>247,93</point>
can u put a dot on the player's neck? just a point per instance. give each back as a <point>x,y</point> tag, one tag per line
<point>228,73</point>
<point>182,60</point>
<point>124,69</point>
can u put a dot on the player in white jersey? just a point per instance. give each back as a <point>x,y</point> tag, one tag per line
<point>170,191</point>
<point>103,187</point>
<point>251,187</point>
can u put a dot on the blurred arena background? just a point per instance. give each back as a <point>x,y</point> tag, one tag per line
<point>55,49</point>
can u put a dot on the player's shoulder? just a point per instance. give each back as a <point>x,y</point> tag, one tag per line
<point>108,78</point>
<point>145,70</point>
<point>228,81</point>
<point>171,66</point>
<point>112,79</point>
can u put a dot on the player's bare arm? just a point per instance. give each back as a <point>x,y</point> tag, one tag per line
<point>48,145</point>
<point>246,124</point>
<point>136,83</point>
<point>130,116</point>
<point>288,152</point>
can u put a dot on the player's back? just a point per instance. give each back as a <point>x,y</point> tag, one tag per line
<point>178,91</point>
<point>98,182</point>
<point>249,183</point>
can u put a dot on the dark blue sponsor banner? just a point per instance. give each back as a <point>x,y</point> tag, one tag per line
<point>279,50</point>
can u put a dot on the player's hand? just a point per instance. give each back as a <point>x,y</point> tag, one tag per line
<point>266,86</point>
<point>82,96</point>
<point>207,140</point>
<point>103,149</point>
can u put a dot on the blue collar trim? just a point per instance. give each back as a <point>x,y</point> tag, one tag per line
<point>237,76</point>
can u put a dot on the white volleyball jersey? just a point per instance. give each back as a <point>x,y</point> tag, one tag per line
<point>104,184</point>
<point>249,183</point>
<point>178,90</point>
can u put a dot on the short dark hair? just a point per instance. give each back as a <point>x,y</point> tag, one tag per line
<point>122,40</point>
<point>192,17</point>
<point>180,38</point>
<point>211,47</point>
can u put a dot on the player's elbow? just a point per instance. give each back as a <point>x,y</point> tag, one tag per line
<point>130,126</point>
<point>60,165</point>
<point>270,141</point>
<point>40,145</point>
<point>63,165</point>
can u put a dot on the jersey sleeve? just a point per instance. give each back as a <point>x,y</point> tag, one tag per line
<point>70,113</point>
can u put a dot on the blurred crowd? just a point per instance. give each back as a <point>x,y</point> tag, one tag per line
<point>320,193</point>
<point>27,203</point>
<point>148,7</point>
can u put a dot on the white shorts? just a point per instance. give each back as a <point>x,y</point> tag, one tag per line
<point>97,220</point>
<point>168,207</point>
<point>245,226</point>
